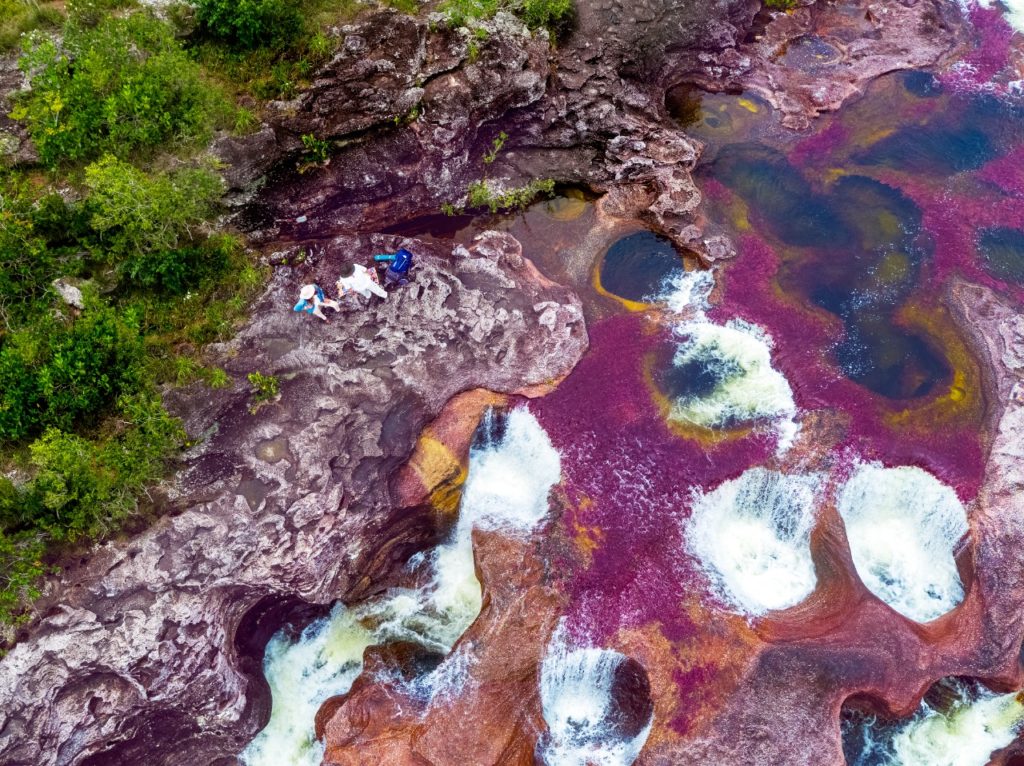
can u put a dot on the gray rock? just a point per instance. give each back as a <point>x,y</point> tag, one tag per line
<point>69,293</point>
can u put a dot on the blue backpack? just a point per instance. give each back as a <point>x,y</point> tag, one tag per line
<point>402,262</point>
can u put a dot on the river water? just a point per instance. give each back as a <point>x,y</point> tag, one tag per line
<point>719,416</point>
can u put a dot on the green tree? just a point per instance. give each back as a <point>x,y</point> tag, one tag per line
<point>153,225</point>
<point>60,374</point>
<point>87,489</point>
<point>248,24</point>
<point>123,85</point>
<point>136,212</point>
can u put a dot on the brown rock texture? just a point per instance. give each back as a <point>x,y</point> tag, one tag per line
<point>133,657</point>
<point>495,717</point>
<point>816,57</point>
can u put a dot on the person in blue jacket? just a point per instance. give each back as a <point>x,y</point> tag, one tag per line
<point>398,267</point>
<point>311,298</point>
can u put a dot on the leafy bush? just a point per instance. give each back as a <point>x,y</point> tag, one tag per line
<point>553,15</point>
<point>87,489</point>
<point>122,86</point>
<point>317,149</point>
<point>21,565</point>
<point>26,265</point>
<point>248,24</point>
<point>462,12</point>
<point>152,224</point>
<point>56,374</point>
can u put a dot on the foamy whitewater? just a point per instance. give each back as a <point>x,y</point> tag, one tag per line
<point>903,525</point>
<point>749,389</point>
<point>579,710</point>
<point>506,489</point>
<point>976,724</point>
<point>752,536</point>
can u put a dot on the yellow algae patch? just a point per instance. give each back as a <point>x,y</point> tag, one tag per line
<point>739,214</point>
<point>567,207</point>
<point>749,105</point>
<point>834,174</point>
<point>595,280</point>
<point>963,398</point>
<point>877,136</point>
<point>437,468</point>
<point>894,268</point>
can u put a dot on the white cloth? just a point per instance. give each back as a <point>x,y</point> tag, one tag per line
<point>362,283</point>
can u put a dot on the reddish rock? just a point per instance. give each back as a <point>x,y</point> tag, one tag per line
<point>493,716</point>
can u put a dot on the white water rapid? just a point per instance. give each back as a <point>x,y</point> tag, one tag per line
<point>576,690</point>
<point>752,537</point>
<point>510,478</point>
<point>975,723</point>
<point>903,525</point>
<point>738,354</point>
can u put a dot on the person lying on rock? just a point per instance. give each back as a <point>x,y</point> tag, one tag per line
<point>398,267</point>
<point>311,298</point>
<point>357,278</point>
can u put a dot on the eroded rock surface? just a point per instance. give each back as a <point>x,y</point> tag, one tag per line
<point>133,657</point>
<point>815,58</point>
<point>494,715</point>
<point>411,109</point>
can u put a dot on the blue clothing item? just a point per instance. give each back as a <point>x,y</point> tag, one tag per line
<point>310,306</point>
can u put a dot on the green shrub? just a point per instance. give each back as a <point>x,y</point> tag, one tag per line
<point>57,374</point>
<point>152,224</point>
<point>496,146</point>
<point>26,264</point>
<point>317,149</point>
<point>264,387</point>
<point>21,567</point>
<point>248,24</point>
<point>462,12</point>
<point>86,489</point>
<point>122,86</point>
<point>554,15</point>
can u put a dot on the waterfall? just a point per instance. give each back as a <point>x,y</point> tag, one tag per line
<point>752,536</point>
<point>512,468</point>
<point>964,731</point>
<point>903,525</point>
<point>585,698</point>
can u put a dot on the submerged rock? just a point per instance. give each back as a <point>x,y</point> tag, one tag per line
<point>134,657</point>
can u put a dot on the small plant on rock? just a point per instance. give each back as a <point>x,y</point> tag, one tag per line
<point>496,146</point>
<point>265,388</point>
<point>481,194</point>
<point>318,151</point>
